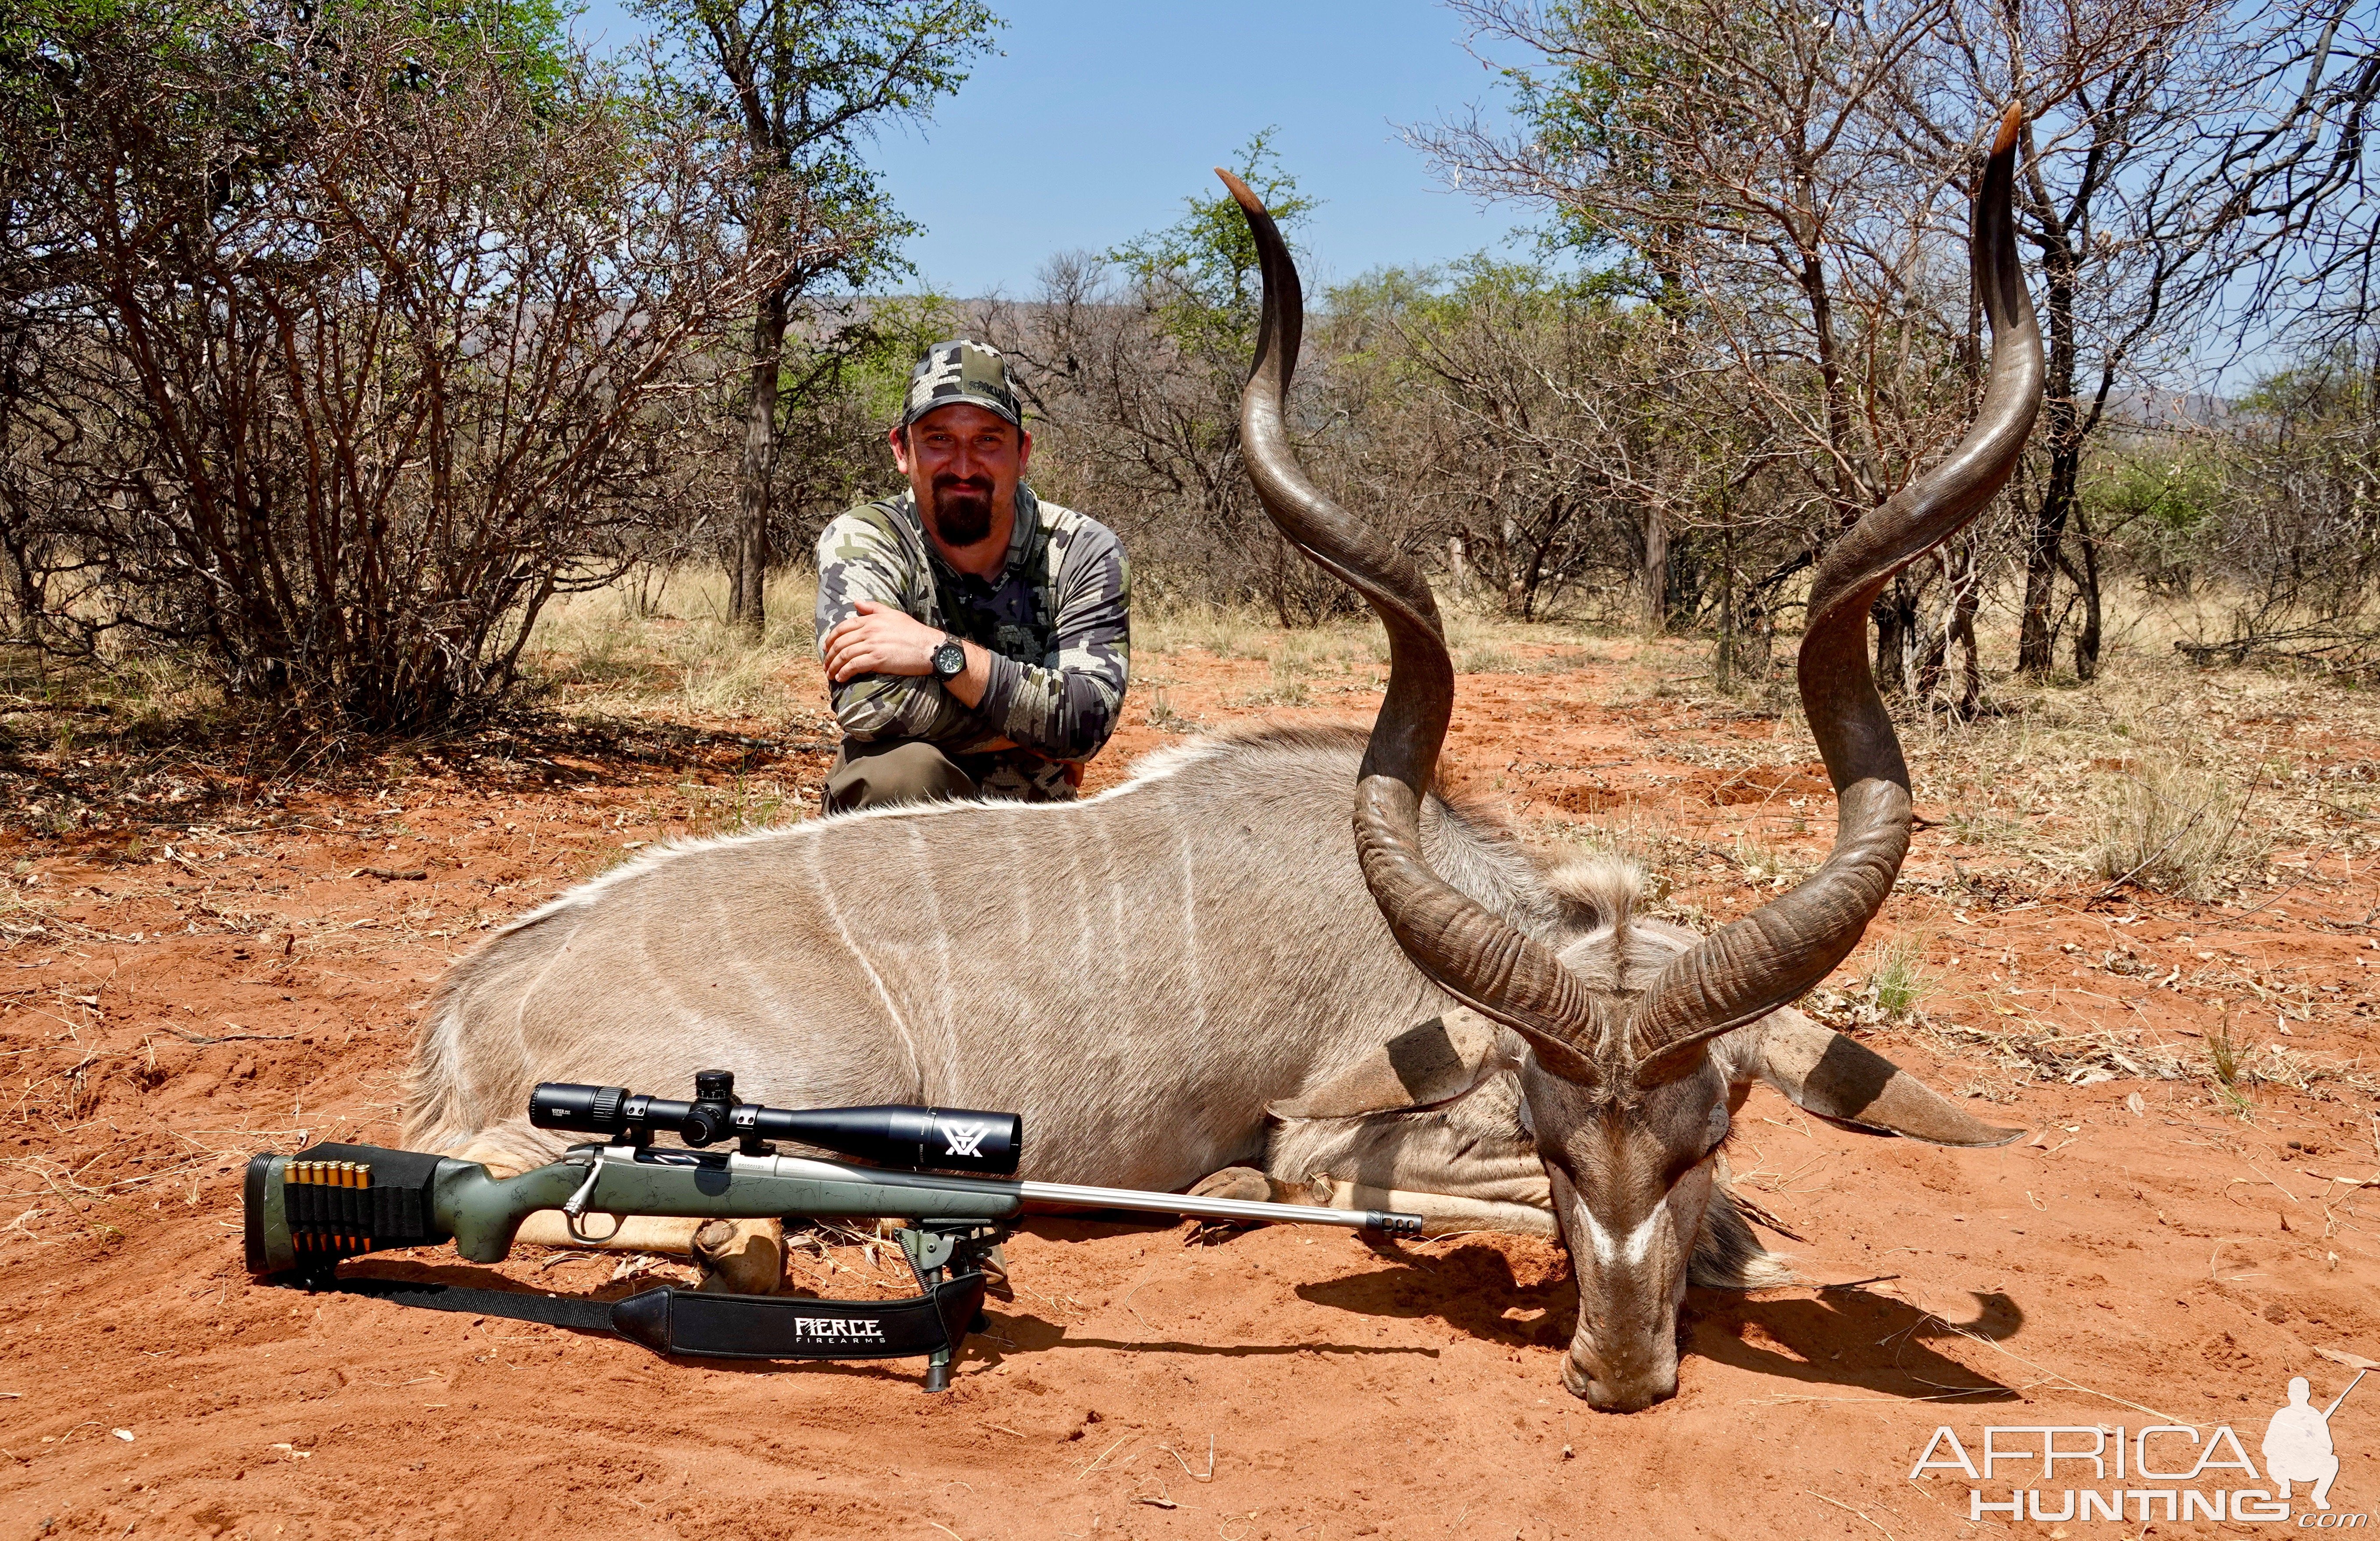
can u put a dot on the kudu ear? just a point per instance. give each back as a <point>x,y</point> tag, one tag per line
<point>1826,1074</point>
<point>1437,1061</point>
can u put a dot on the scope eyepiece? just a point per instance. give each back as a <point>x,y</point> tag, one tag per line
<point>946,1139</point>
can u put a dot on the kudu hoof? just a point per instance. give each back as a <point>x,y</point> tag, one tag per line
<point>741,1258</point>
<point>1254,1186</point>
<point>1244,1183</point>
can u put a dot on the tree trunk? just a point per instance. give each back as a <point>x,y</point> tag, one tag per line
<point>1895,613</point>
<point>1723,661</point>
<point>2036,637</point>
<point>2036,634</point>
<point>1656,530</point>
<point>2044,552</point>
<point>748,555</point>
<point>2087,641</point>
<point>2033,640</point>
<point>1966,580</point>
<point>1932,650</point>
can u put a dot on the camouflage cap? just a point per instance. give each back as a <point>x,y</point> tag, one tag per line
<point>957,371</point>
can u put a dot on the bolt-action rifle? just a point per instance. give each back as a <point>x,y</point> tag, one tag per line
<point>944,1170</point>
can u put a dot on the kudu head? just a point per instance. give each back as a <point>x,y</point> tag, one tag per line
<point>1634,1050</point>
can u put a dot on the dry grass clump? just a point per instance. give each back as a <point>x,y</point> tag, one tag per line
<point>1289,687</point>
<point>1486,657</point>
<point>1899,977</point>
<point>620,650</point>
<point>1162,716</point>
<point>1768,865</point>
<point>1897,981</point>
<point>138,700</point>
<point>2171,828</point>
<point>747,802</point>
<point>1224,631</point>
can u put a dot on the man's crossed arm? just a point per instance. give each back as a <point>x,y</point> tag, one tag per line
<point>879,661</point>
<point>879,640</point>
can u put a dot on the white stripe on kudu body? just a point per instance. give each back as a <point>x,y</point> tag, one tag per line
<point>834,914</point>
<point>1188,860</point>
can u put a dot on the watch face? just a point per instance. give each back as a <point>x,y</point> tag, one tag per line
<point>950,661</point>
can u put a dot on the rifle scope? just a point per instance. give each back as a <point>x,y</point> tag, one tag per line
<point>944,1139</point>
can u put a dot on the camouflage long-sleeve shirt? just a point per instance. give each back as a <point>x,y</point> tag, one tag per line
<point>1057,623</point>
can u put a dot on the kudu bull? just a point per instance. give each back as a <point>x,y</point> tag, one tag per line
<point>1150,973</point>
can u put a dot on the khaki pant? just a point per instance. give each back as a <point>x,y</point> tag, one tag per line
<point>912,771</point>
<point>897,771</point>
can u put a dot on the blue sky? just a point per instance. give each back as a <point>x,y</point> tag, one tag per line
<point>1096,120</point>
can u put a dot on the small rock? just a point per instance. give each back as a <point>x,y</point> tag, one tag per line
<point>123,1434</point>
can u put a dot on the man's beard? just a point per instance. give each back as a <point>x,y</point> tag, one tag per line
<point>962,511</point>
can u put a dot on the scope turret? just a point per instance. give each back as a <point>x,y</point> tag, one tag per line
<point>945,1139</point>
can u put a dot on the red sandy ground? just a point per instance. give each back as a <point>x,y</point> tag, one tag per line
<point>232,982</point>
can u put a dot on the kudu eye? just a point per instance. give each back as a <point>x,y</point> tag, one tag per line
<point>1683,1161</point>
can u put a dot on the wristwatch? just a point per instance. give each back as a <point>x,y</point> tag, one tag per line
<point>950,660</point>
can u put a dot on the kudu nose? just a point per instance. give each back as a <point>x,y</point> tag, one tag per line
<point>1607,1391</point>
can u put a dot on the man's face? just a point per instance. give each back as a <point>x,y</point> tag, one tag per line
<point>964,463</point>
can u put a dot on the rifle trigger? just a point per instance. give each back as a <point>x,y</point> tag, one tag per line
<point>576,1205</point>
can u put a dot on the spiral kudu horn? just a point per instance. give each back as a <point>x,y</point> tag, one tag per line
<point>1471,953</point>
<point>1773,954</point>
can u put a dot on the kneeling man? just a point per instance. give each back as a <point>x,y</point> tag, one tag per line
<point>976,638</point>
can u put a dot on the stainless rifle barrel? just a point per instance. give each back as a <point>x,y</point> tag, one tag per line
<point>1078,1196</point>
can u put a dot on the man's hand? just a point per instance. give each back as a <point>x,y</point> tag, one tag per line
<point>879,640</point>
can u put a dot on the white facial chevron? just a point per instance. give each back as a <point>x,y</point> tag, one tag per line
<point>1629,1251</point>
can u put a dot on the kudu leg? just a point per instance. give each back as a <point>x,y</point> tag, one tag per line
<point>1442,1214</point>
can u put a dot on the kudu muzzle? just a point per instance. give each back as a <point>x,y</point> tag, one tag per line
<point>1631,1281</point>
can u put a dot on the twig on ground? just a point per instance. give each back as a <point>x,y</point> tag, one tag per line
<point>1186,1465</point>
<point>1846,1509</point>
<point>230,1037</point>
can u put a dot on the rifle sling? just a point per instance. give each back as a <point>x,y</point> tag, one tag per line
<point>699,1325</point>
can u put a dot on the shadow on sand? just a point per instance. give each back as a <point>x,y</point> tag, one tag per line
<point>1849,1337</point>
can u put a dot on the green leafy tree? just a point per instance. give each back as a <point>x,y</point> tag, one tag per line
<point>1197,288</point>
<point>794,89</point>
<point>1199,274</point>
